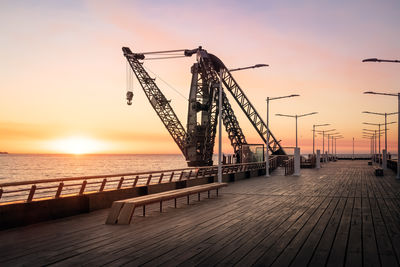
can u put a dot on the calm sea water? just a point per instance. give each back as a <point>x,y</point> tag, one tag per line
<point>24,167</point>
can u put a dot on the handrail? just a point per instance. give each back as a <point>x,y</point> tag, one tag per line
<point>27,191</point>
<point>112,175</point>
<point>289,166</point>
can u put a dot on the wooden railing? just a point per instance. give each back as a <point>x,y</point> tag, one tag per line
<point>289,166</point>
<point>309,162</point>
<point>72,186</point>
<point>392,164</point>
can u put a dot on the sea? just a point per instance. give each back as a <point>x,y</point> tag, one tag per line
<point>28,167</point>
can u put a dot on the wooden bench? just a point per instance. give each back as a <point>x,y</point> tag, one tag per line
<point>121,211</point>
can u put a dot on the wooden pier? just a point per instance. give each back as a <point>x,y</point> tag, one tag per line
<point>339,215</point>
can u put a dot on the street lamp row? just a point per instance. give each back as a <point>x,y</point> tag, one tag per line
<point>296,117</point>
<point>398,114</point>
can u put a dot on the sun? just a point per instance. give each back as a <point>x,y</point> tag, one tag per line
<point>77,145</point>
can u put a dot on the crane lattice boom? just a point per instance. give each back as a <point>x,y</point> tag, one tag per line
<point>197,143</point>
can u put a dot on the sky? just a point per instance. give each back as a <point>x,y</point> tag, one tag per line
<point>63,74</point>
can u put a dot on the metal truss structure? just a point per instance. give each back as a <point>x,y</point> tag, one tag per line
<point>197,142</point>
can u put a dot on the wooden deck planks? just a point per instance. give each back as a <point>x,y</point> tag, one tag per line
<point>340,215</point>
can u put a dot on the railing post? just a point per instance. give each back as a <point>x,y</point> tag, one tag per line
<point>149,179</point>
<point>103,184</point>
<point>172,176</point>
<point>59,189</point>
<point>318,159</point>
<point>136,180</point>
<point>31,193</point>
<point>83,187</point>
<point>296,161</point>
<point>120,183</point>
<point>161,176</point>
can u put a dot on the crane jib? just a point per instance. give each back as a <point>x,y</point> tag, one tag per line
<point>197,141</point>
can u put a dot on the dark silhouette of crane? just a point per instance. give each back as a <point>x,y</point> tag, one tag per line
<point>197,141</point>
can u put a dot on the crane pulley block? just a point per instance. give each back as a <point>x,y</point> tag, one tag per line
<point>129,96</point>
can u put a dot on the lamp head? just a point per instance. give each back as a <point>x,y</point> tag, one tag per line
<point>261,65</point>
<point>370,60</point>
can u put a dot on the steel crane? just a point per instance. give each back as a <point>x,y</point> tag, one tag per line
<point>196,142</point>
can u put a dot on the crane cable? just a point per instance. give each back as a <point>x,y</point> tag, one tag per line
<point>162,52</point>
<point>129,78</point>
<point>170,86</point>
<point>163,57</point>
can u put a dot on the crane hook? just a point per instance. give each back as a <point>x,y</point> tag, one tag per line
<point>129,96</point>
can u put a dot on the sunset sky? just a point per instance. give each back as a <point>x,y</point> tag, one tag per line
<point>63,71</point>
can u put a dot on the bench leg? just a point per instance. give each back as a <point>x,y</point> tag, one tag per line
<point>208,193</point>
<point>160,206</point>
<point>175,202</point>
<point>144,210</point>
<point>198,196</point>
<point>126,214</point>
<point>217,192</point>
<point>187,199</point>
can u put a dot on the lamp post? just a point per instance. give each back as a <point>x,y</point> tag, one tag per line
<point>323,141</point>
<point>296,117</point>
<point>268,133</point>
<point>336,138</point>
<point>379,130</point>
<point>220,129</point>
<point>383,114</point>
<point>370,143</point>
<point>313,137</point>
<point>330,138</point>
<point>331,135</point>
<point>375,134</point>
<point>398,104</point>
<point>297,154</point>
<point>220,108</point>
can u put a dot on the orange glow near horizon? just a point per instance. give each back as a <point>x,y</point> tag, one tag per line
<point>77,145</point>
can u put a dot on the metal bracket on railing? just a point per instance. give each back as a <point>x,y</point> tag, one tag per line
<point>59,190</point>
<point>172,176</point>
<point>161,176</point>
<point>136,180</point>
<point>31,193</point>
<point>103,184</point>
<point>149,179</point>
<point>83,187</point>
<point>180,177</point>
<point>120,183</point>
<point>1,192</point>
